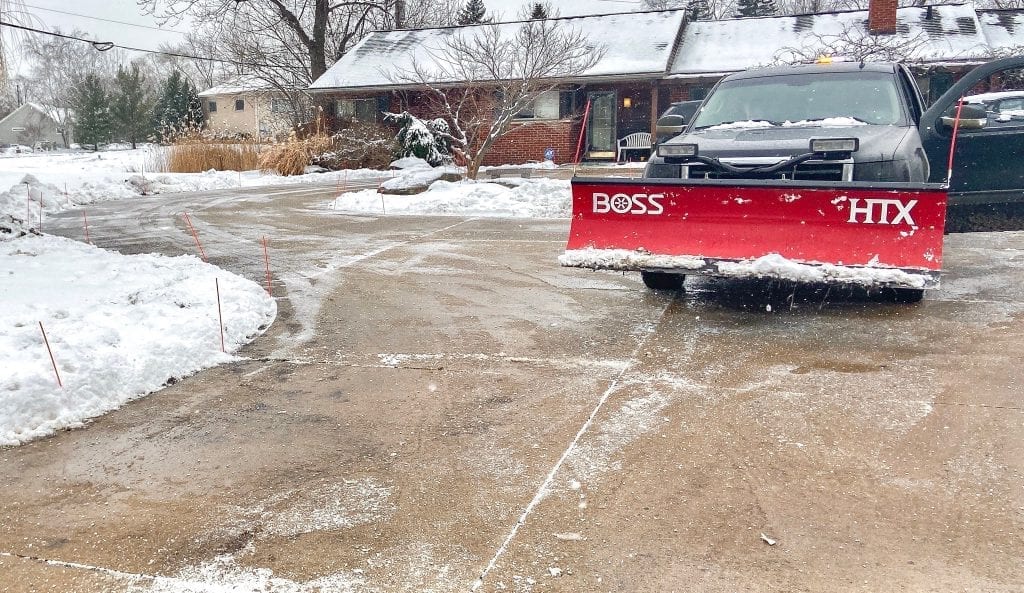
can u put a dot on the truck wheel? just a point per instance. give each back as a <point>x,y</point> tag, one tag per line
<point>662,280</point>
<point>908,295</point>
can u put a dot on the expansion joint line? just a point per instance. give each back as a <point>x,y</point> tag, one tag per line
<point>75,565</point>
<point>546,485</point>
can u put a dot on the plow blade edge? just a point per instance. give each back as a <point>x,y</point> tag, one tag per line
<point>839,232</point>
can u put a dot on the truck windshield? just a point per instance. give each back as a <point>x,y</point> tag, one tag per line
<point>854,97</point>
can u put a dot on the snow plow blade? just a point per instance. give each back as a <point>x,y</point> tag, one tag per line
<point>869,234</point>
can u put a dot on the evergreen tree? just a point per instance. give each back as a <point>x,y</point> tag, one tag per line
<point>539,12</point>
<point>131,104</point>
<point>473,13</point>
<point>90,103</point>
<point>755,8</point>
<point>178,109</point>
<point>698,10</point>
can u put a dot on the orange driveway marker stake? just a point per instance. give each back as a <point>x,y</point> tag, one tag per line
<point>52,361</point>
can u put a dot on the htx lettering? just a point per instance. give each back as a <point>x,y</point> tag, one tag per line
<point>628,203</point>
<point>879,209</point>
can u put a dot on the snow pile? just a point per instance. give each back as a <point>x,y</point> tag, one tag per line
<point>414,178</point>
<point>533,198</point>
<point>774,265</point>
<point>624,259</point>
<point>120,327</point>
<point>66,179</point>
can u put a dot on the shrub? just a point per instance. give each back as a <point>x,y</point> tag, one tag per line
<point>196,152</point>
<point>429,140</point>
<point>362,146</point>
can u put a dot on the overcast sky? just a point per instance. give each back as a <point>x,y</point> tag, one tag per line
<point>135,29</point>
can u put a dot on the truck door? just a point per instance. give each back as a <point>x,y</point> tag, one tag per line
<point>988,172</point>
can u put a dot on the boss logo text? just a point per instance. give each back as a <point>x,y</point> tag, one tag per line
<point>628,203</point>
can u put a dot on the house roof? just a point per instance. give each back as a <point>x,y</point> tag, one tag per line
<point>57,114</point>
<point>243,83</point>
<point>1004,29</point>
<point>661,44</point>
<point>947,33</point>
<point>637,45</point>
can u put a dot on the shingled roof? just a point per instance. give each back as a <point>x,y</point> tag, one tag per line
<point>661,44</point>
<point>637,45</point>
<point>944,33</point>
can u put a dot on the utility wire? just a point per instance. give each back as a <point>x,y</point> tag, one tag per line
<point>96,18</point>
<point>108,45</point>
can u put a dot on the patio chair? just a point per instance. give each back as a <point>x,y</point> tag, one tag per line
<point>634,141</point>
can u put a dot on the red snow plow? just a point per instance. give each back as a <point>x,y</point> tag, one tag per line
<point>868,234</point>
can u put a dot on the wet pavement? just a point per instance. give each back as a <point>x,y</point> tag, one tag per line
<point>438,402</point>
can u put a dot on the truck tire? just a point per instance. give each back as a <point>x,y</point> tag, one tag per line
<point>662,280</point>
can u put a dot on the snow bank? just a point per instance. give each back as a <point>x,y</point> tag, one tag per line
<point>532,198</point>
<point>63,180</point>
<point>120,327</point>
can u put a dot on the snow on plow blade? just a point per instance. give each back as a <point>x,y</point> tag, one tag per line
<point>870,234</point>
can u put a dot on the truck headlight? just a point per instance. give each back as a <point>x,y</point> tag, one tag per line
<point>834,144</point>
<point>884,171</point>
<point>677,150</point>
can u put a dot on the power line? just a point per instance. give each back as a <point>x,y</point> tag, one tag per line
<point>96,18</point>
<point>108,45</point>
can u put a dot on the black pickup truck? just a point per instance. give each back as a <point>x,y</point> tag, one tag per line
<point>759,124</point>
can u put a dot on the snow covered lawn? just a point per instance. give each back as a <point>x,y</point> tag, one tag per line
<point>120,327</point>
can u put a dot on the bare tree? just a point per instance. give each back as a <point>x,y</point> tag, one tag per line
<point>57,65</point>
<point>314,32</point>
<point>499,75</point>
<point>287,44</point>
<point>856,43</point>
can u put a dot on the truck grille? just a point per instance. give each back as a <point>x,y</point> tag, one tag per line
<point>818,171</point>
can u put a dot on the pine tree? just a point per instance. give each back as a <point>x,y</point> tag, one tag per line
<point>539,12</point>
<point>90,103</point>
<point>473,13</point>
<point>178,109</point>
<point>746,8</point>
<point>698,10</point>
<point>130,106</point>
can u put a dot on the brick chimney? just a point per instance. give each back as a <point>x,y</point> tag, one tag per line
<point>882,17</point>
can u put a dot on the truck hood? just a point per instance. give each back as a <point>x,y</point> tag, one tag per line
<point>877,142</point>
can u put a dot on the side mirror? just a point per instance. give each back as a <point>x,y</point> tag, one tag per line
<point>972,117</point>
<point>669,126</point>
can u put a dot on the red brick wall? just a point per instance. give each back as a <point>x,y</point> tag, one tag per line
<point>525,142</point>
<point>677,93</point>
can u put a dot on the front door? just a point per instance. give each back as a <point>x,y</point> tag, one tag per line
<point>601,139</point>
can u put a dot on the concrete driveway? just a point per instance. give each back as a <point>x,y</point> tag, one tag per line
<point>440,407</point>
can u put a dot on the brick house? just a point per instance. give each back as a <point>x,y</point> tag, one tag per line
<point>656,58</point>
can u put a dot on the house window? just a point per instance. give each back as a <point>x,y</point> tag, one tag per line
<point>280,106</point>
<point>358,109</point>
<point>547,105</point>
<point>212,106</point>
<point>239,104</point>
